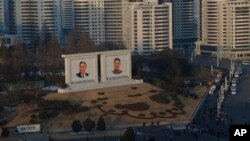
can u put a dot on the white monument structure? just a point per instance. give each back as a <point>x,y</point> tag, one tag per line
<point>86,71</point>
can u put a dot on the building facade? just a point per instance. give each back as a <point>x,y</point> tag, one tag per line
<point>224,28</point>
<point>37,18</point>
<point>8,40</point>
<point>113,21</point>
<point>147,26</point>
<point>184,30</point>
<point>89,18</point>
<point>2,16</point>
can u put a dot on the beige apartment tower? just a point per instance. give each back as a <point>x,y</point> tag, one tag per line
<point>147,26</point>
<point>224,28</point>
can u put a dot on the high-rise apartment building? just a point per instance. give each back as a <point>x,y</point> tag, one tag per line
<point>35,18</point>
<point>140,25</point>
<point>184,30</point>
<point>67,14</point>
<point>224,28</point>
<point>89,18</point>
<point>2,16</point>
<point>147,26</point>
<point>113,21</point>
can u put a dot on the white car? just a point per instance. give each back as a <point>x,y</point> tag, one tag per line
<point>233,92</point>
<point>234,80</point>
<point>233,88</point>
<point>247,63</point>
<point>236,76</point>
<point>234,84</point>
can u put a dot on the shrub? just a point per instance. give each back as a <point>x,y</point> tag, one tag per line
<point>175,109</point>
<point>5,132</point>
<point>119,106</point>
<point>62,85</point>
<point>93,101</point>
<point>84,108</point>
<point>162,113</point>
<point>153,114</point>
<point>194,96</point>
<point>141,115</point>
<point>48,114</point>
<point>158,122</point>
<point>125,111</point>
<point>88,124</point>
<point>134,88</point>
<point>140,106</point>
<point>76,126</point>
<point>129,134</point>
<point>101,126</point>
<point>168,111</point>
<point>159,99</point>
<point>99,105</point>
<point>100,93</point>
<point>134,95</point>
<point>152,123</point>
<point>104,98</point>
<point>111,111</point>
<point>178,104</point>
<point>153,91</point>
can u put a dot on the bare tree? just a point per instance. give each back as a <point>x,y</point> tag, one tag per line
<point>54,52</point>
<point>19,57</point>
<point>78,42</point>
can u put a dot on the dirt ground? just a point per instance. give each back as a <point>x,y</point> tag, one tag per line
<point>117,95</point>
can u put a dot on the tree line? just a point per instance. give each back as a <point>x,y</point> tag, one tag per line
<point>18,62</point>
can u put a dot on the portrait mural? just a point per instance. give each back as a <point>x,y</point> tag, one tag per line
<point>117,67</point>
<point>83,70</point>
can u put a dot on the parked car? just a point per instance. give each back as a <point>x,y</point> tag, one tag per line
<point>233,88</point>
<point>246,63</point>
<point>234,85</point>
<point>233,92</point>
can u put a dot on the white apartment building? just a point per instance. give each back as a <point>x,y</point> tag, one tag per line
<point>147,26</point>
<point>113,21</point>
<point>37,17</point>
<point>67,13</point>
<point>89,18</point>
<point>224,28</point>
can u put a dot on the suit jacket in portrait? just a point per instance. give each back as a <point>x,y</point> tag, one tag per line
<point>117,71</point>
<point>82,76</point>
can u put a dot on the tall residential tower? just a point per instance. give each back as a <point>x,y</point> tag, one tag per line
<point>184,29</point>
<point>224,28</point>
<point>147,26</point>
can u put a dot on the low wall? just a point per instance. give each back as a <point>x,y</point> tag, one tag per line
<point>100,85</point>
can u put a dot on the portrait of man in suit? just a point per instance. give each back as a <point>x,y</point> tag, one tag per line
<point>117,65</point>
<point>82,70</point>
